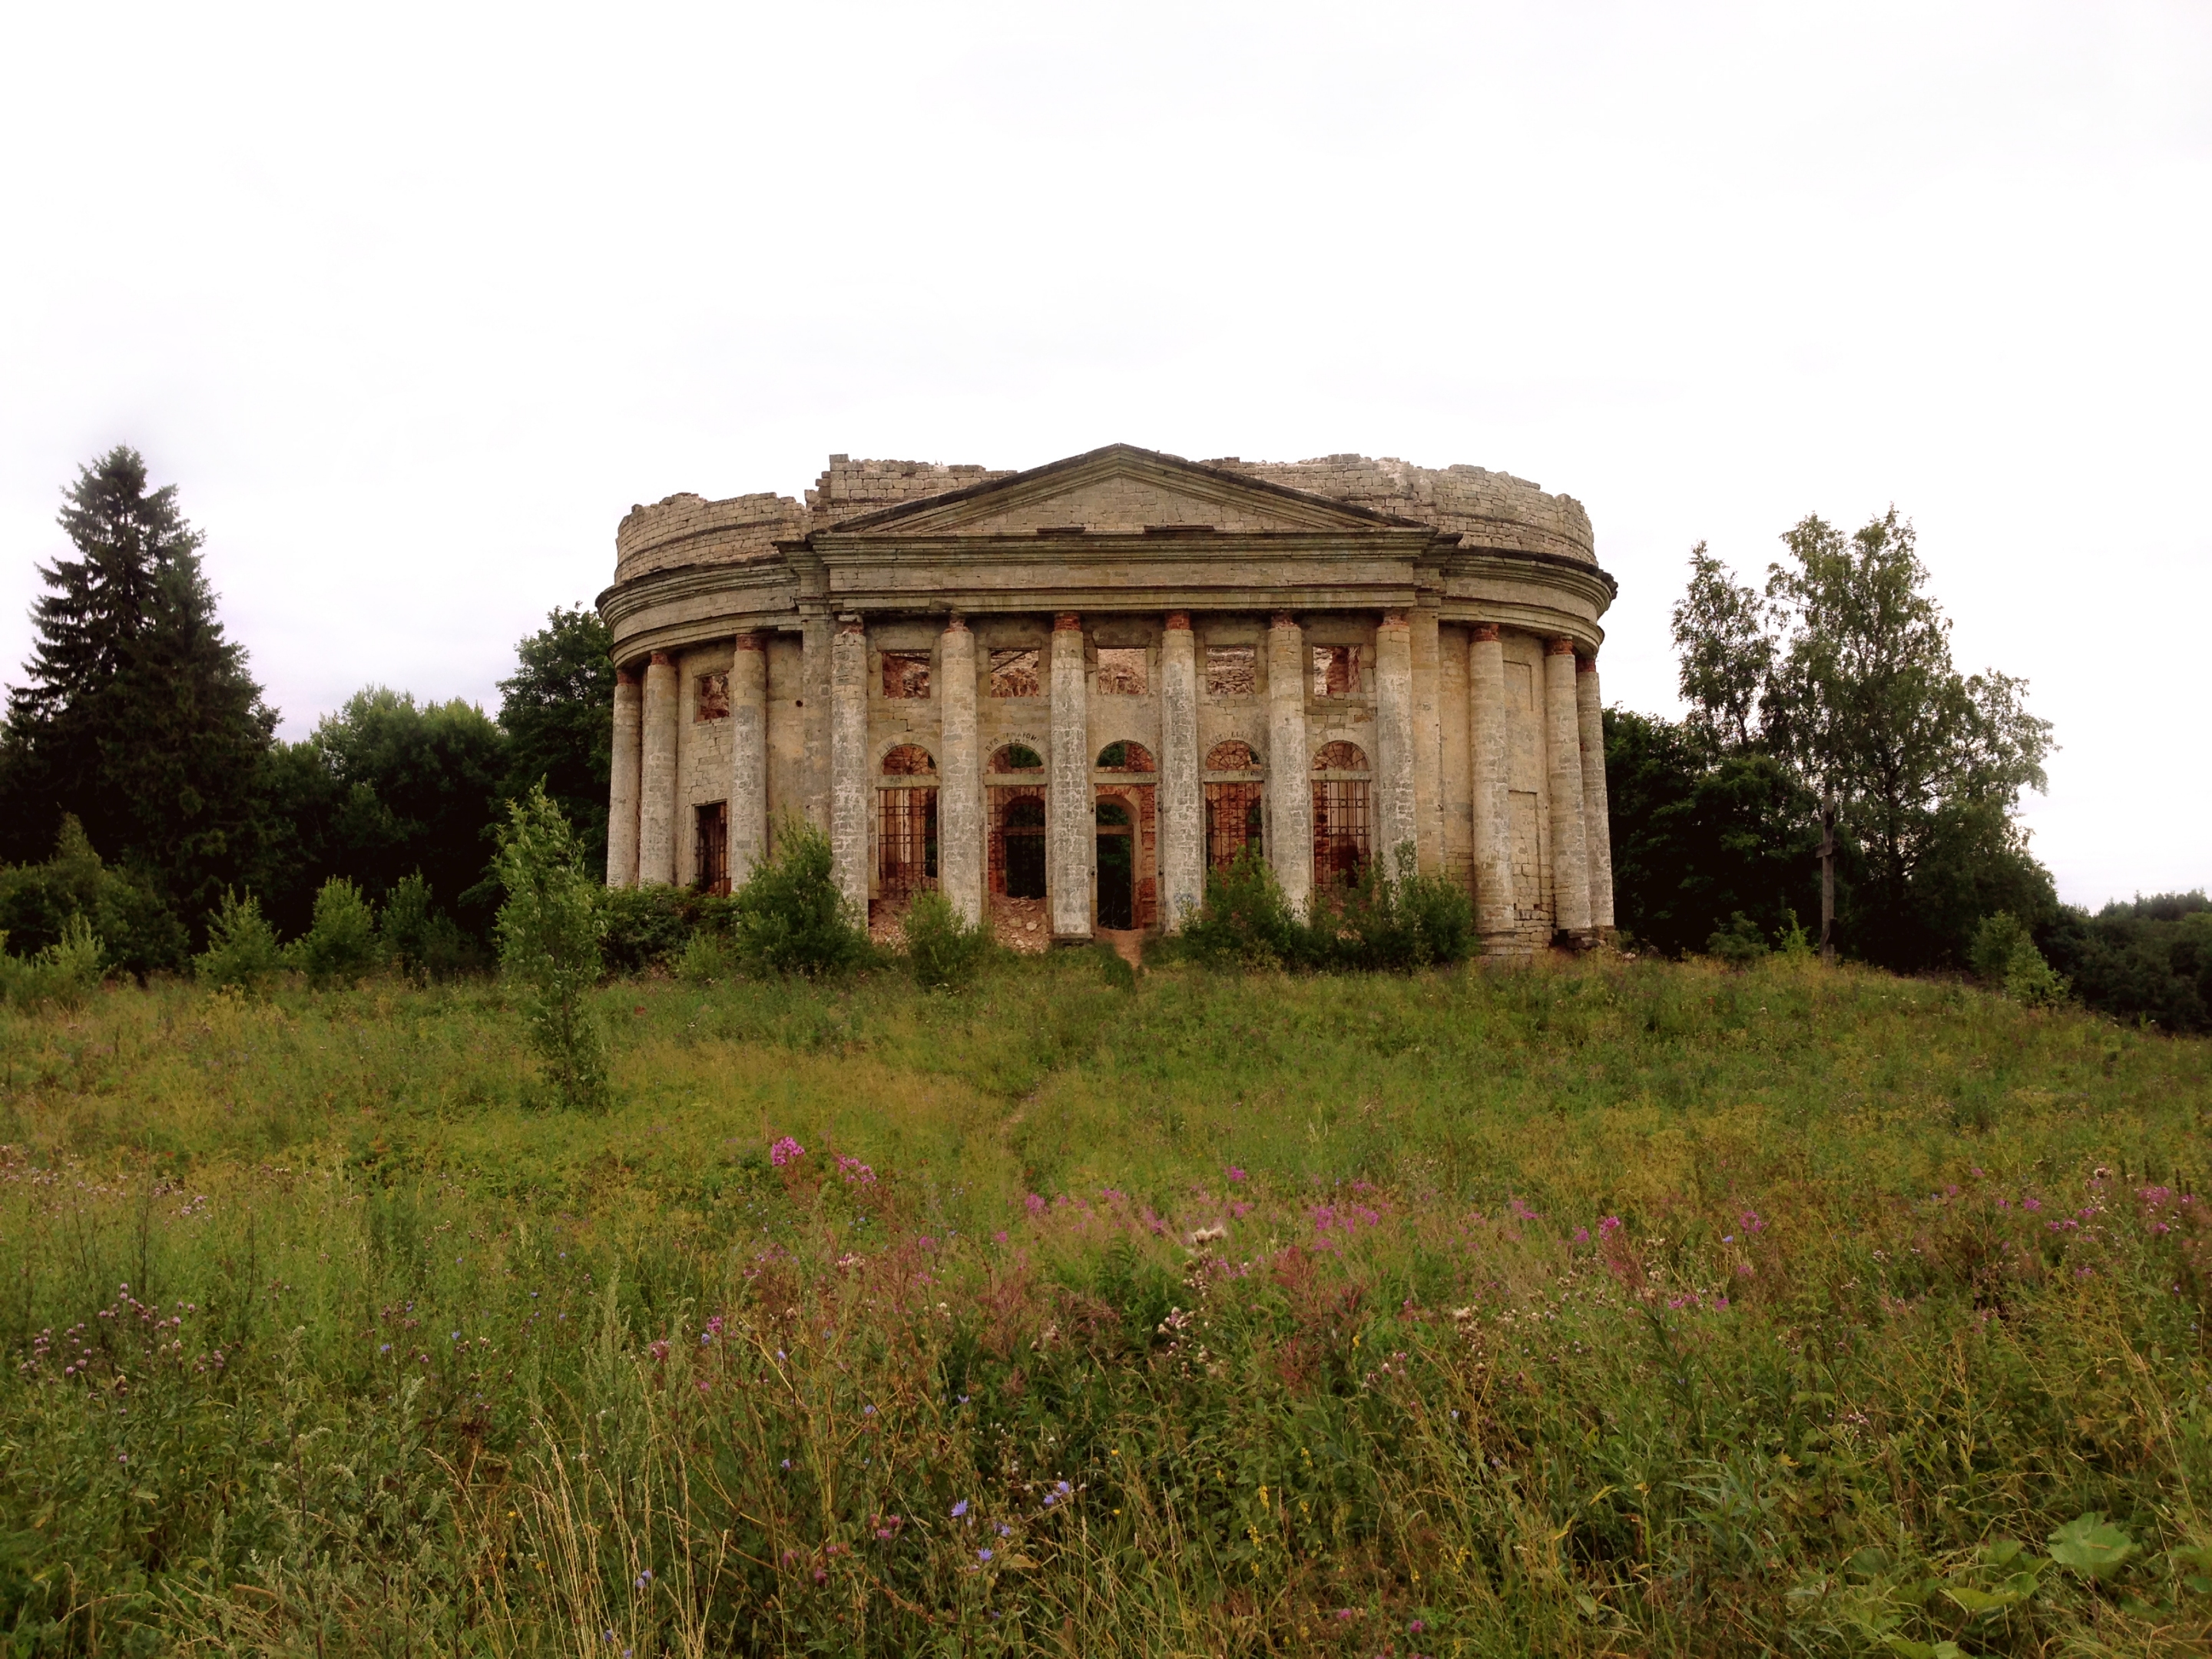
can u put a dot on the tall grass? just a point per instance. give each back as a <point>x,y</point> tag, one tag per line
<point>1592,1308</point>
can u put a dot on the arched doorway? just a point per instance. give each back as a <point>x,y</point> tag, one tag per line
<point>1117,867</point>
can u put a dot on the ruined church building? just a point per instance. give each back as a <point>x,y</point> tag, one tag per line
<point>1060,696</point>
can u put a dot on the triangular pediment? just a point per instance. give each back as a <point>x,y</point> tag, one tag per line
<point>1119,490</point>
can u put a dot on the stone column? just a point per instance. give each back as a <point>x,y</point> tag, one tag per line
<point>1183,810</point>
<point>748,756</point>
<point>959,775</point>
<point>656,825</point>
<point>1563,755</point>
<point>1070,832</point>
<point>1395,822</point>
<point>1428,742</point>
<point>1597,820</point>
<point>622,787</point>
<point>848,762</point>
<point>814,634</point>
<point>1494,906</point>
<point>1289,768</point>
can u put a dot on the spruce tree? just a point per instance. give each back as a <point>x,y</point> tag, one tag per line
<point>139,716</point>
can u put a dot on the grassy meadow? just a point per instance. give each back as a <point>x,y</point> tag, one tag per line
<point>1595,1307</point>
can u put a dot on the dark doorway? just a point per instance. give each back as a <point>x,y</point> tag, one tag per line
<point>714,843</point>
<point>1117,867</point>
<point>1023,830</point>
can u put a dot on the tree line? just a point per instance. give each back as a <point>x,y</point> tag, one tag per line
<point>1837,781</point>
<point>142,780</point>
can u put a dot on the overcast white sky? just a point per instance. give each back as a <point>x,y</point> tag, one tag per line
<point>414,302</point>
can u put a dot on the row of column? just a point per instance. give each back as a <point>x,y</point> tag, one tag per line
<point>642,801</point>
<point>641,798</point>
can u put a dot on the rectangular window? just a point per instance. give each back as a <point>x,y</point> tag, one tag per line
<point>1233,821</point>
<point>710,697</point>
<point>906,673</point>
<point>1336,671</point>
<point>1121,671</point>
<point>714,847</point>
<point>1231,671</point>
<point>1340,830</point>
<point>906,841</point>
<point>1013,673</point>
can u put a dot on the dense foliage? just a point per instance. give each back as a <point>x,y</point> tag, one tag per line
<point>1837,684</point>
<point>1387,921</point>
<point>557,711</point>
<point>140,748</point>
<point>1598,1308</point>
<point>138,718</point>
<point>2149,960</point>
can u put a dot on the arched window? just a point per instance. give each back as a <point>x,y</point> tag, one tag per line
<point>1233,809</point>
<point>1016,757</point>
<point>905,823</point>
<point>1232,756</point>
<point>910,760</point>
<point>1340,757</point>
<point>1341,837</point>
<point>1126,757</point>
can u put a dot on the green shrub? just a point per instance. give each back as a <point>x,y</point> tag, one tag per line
<point>1246,920</point>
<point>2031,981</point>
<point>550,933</point>
<point>789,918</point>
<point>1995,941</point>
<point>340,944</point>
<point>141,934</point>
<point>65,973</point>
<point>1740,944</point>
<point>1382,923</point>
<point>2003,956</point>
<point>242,951</point>
<point>943,951</point>
<point>421,940</point>
<point>648,926</point>
<point>705,958</point>
<point>1391,924</point>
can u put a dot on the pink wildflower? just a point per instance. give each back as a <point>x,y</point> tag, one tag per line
<point>785,1150</point>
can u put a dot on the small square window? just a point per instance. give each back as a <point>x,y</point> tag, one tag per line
<point>906,673</point>
<point>1231,671</point>
<point>1121,671</point>
<point>1336,671</point>
<point>710,697</point>
<point>1013,673</point>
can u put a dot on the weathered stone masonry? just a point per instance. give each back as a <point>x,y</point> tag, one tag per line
<point>1058,696</point>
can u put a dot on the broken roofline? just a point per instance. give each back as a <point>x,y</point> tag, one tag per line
<point>1241,481</point>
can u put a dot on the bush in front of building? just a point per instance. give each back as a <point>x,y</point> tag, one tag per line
<point>943,952</point>
<point>789,918</point>
<point>648,927</point>
<point>1382,923</point>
